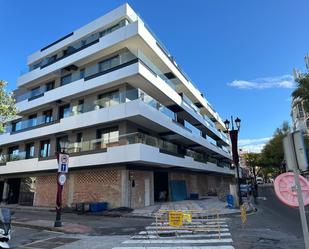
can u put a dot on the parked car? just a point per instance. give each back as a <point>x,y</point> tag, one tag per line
<point>259,180</point>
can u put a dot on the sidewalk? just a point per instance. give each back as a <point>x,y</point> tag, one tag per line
<point>211,204</point>
<point>104,223</point>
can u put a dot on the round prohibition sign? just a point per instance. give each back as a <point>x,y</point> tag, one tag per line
<point>62,178</point>
<point>64,159</point>
<point>286,191</point>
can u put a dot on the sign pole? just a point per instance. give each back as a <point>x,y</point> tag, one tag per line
<point>301,205</point>
<point>63,161</point>
<point>302,213</point>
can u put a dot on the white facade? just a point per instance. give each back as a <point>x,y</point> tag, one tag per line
<point>112,72</point>
<point>300,117</point>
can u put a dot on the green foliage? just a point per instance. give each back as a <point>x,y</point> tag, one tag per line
<point>252,159</point>
<point>302,90</point>
<point>7,105</point>
<point>272,154</point>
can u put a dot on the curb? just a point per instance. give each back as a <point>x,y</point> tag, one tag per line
<point>20,224</point>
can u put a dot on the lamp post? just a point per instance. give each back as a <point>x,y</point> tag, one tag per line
<point>234,140</point>
<point>62,159</point>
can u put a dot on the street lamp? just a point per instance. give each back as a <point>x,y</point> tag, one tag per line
<point>234,140</point>
<point>62,159</point>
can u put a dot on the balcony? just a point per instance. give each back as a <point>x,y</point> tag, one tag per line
<point>101,145</point>
<point>77,46</point>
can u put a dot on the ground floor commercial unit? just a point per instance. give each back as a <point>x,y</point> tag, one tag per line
<point>119,185</point>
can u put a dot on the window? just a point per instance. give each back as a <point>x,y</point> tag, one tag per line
<point>50,86</point>
<point>32,120</point>
<point>29,150</point>
<point>64,111</point>
<point>107,137</point>
<point>16,125</point>
<point>66,79</point>
<point>13,153</point>
<point>80,107</point>
<point>35,92</point>
<point>79,137</point>
<point>45,148</point>
<point>108,99</point>
<point>109,63</point>
<point>48,116</point>
<point>82,73</point>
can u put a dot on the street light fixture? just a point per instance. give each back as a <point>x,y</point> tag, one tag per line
<point>234,140</point>
<point>64,145</point>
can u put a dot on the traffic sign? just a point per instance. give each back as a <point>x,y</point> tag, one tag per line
<point>175,218</point>
<point>61,179</point>
<point>63,163</point>
<point>286,189</point>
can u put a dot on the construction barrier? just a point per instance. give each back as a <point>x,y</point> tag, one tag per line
<point>192,221</point>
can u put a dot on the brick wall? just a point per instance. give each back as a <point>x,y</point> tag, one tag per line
<point>95,185</point>
<point>46,189</point>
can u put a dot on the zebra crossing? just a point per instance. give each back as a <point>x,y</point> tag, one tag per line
<point>212,234</point>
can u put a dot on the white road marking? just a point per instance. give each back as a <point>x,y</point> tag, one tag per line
<point>182,231</point>
<point>179,247</point>
<point>193,223</point>
<point>187,226</point>
<point>164,241</point>
<point>182,236</point>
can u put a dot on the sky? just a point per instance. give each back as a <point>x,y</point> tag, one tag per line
<point>239,53</point>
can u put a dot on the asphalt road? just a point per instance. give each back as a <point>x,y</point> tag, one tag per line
<point>274,226</point>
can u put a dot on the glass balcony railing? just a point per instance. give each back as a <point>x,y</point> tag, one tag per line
<point>78,46</point>
<point>28,124</point>
<point>132,138</point>
<point>101,144</point>
<point>31,95</point>
<point>4,158</point>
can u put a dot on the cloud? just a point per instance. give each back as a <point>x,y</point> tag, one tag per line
<point>284,81</point>
<point>253,145</point>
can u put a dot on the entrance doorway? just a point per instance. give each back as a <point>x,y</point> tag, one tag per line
<point>161,186</point>
<point>14,189</point>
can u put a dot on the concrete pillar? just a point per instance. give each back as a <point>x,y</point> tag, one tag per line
<point>5,191</point>
<point>125,193</point>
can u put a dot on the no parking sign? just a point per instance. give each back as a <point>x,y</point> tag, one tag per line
<point>63,163</point>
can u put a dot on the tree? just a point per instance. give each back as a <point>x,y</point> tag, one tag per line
<point>302,89</point>
<point>272,154</point>
<point>253,160</point>
<point>7,105</point>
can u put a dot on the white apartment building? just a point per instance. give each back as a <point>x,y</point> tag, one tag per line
<point>299,115</point>
<point>139,130</point>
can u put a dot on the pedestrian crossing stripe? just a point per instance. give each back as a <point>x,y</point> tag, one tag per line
<point>182,231</point>
<point>179,247</point>
<point>193,223</point>
<point>187,226</point>
<point>178,241</point>
<point>182,236</point>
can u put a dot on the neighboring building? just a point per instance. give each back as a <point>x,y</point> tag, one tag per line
<point>138,128</point>
<point>299,116</point>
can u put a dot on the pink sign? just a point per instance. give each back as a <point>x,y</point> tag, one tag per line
<point>286,191</point>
